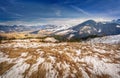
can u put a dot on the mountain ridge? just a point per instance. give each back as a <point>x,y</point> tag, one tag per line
<point>90,27</point>
<point>85,29</point>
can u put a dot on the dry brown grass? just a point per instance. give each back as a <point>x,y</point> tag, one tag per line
<point>12,35</point>
<point>86,50</point>
<point>13,53</point>
<point>4,66</point>
<point>41,73</point>
<point>103,76</point>
<point>31,61</point>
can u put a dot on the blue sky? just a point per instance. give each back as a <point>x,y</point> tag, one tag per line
<point>44,11</point>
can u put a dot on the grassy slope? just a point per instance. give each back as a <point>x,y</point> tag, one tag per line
<point>43,60</point>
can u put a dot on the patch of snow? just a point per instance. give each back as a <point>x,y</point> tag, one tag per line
<point>4,58</point>
<point>25,40</point>
<point>16,71</point>
<point>85,28</point>
<point>67,70</point>
<point>99,67</point>
<point>34,67</point>
<point>60,52</point>
<point>78,52</point>
<point>63,32</point>
<point>113,39</point>
<point>85,75</point>
<point>50,39</point>
<point>53,59</point>
<point>24,54</point>
<point>70,36</point>
<point>50,73</point>
<point>99,50</point>
<point>59,65</point>
<point>99,30</point>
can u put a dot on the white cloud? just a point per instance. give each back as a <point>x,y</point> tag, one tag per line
<point>80,10</point>
<point>75,21</point>
<point>3,9</point>
<point>10,23</point>
<point>13,14</point>
<point>54,21</point>
<point>58,13</point>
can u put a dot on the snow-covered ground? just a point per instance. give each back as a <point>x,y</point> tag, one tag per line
<point>25,59</point>
<point>113,39</point>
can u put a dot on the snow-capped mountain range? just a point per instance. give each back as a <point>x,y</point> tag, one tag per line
<point>91,27</point>
<point>87,28</point>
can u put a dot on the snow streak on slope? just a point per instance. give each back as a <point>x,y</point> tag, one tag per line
<point>114,39</point>
<point>24,59</point>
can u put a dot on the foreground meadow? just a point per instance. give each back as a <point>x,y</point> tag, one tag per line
<point>34,59</point>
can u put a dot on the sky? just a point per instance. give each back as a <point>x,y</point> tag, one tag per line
<point>35,12</point>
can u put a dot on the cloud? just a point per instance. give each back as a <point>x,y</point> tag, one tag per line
<point>10,13</point>
<point>80,10</point>
<point>114,12</point>
<point>3,9</point>
<point>53,21</point>
<point>10,23</point>
<point>58,13</point>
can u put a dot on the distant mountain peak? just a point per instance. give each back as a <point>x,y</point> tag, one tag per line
<point>116,21</point>
<point>92,21</point>
<point>89,22</point>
